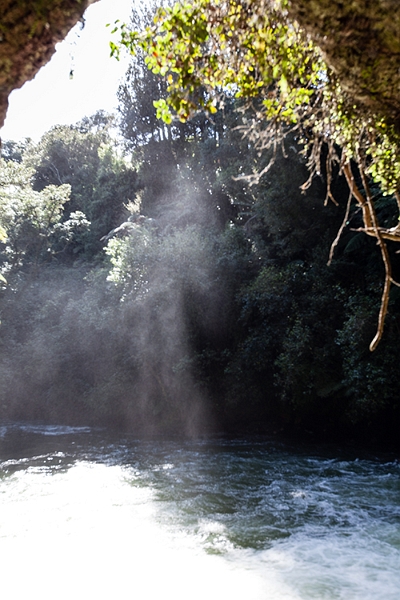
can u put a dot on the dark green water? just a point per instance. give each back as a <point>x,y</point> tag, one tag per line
<point>84,514</point>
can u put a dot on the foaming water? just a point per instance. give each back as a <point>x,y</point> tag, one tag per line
<point>85,515</point>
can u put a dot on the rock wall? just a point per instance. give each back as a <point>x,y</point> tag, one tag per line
<point>361,42</point>
<point>29,31</point>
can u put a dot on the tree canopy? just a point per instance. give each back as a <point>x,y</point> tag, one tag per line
<point>258,52</point>
<point>178,270</point>
<point>147,286</point>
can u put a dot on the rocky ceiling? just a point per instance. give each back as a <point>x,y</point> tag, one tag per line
<point>29,32</point>
<point>361,42</point>
<point>360,39</point>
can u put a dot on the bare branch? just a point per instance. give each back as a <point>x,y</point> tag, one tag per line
<point>339,233</point>
<point>397,196</point>
<point>383,310</point>
<point>392,234</point>
<point>348,173</point>
<point>372,228</point>
<point>330,159</point>
<point>386,261</point>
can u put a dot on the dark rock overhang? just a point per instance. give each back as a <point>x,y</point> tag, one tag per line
<point>361,43</point>
<point>29,32</point>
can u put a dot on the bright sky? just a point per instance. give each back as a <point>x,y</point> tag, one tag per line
<point>52,98</point>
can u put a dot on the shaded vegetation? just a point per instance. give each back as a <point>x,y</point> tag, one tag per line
<point>263,55</point>
<point>148,288</point>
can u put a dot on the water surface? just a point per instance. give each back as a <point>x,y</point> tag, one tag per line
<point>86,514</point>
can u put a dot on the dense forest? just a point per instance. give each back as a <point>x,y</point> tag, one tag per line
<point>149,284</point>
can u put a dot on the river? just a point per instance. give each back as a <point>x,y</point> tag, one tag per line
<point>86,514</point>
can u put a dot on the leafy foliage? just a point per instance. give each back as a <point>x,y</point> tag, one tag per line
<point>32,219</point>
<point>194,301</point>
<point>102,182</point>
<point>253,48</point>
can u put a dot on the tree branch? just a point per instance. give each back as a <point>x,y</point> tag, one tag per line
<point>372,228</point>
<point>339,233</point>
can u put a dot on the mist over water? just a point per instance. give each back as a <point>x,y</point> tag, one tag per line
<point>88,514</point>
<point>83,351</point>
<point>117,344</point>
